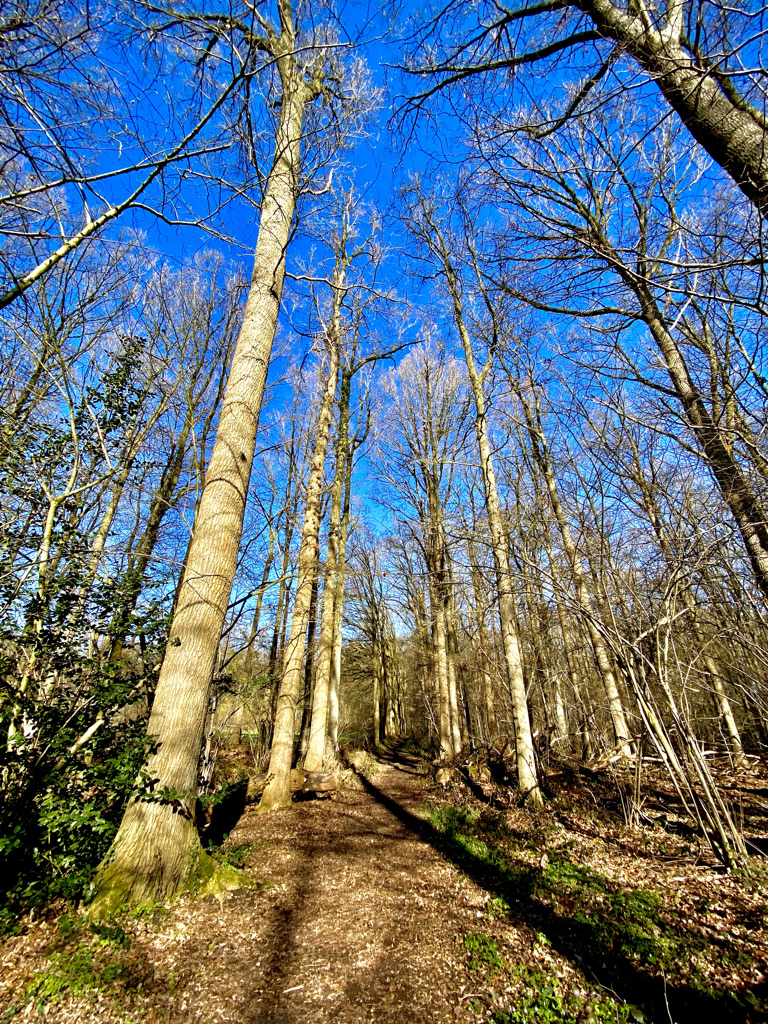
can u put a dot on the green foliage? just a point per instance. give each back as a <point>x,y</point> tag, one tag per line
<point>62,799</point>
<point>545,1005</point>
<point>754,877</point>
<point>483,953</point>
<point>624,929</point>
<point>88,957</point>
<point>540,997</point>
<point>236,856</point>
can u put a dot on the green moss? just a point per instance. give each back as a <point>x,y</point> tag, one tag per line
<point>88,957</point>
<point>71,972</point>
<point>535,996</point>
<point>117,892</point>
<point>209,877</point>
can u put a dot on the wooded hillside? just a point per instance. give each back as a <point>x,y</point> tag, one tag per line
<point>391,384</point>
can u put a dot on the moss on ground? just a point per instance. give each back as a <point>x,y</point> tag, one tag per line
<point>87,957</point>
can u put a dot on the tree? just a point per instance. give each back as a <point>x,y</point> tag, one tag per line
<point>74,123</point>
<point>157,849</point>
<point>432,235</point>
<point>277,792</point>
<point>423,433</point>
<point>540,449</point>
<point>694,52</point>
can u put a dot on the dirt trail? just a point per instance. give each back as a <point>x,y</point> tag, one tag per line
<point>364,921</point>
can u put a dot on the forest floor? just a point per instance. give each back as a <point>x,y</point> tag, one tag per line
<point>398,901</point>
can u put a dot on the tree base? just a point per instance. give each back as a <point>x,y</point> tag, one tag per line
<point>120,891</point>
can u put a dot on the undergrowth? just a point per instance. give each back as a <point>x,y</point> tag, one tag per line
<point>86,958</point>
<point>625,934</point>
<point>531,995</point>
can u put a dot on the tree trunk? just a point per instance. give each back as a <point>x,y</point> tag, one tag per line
<point>602,655</point>
<point>338,613</point>
<point>157,850</point>
<point>309,674</point>
<point>491,727</point>
<point>527,780</point>
<point>725,124</point>
<point>277,792</point>
<point>736,490</point>
<point>320,708</point>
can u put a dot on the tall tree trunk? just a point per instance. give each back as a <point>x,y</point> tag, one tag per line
<point>338,613</point>
<point>730,129</point>
<point>482,647</point>
<point>440,662</point>
<point>602,655</point>
<point>320,709</point>
<point>309,673</point>
<point>277,792</point>
<point>527,777</point>
<point>745,505</point>
<point>248,662</point>
<point>157,848</point>
<point>458,726</point>
<point>573,671</point>
<point>378,672</point>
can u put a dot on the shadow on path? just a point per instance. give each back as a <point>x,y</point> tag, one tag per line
<point>579,941</point>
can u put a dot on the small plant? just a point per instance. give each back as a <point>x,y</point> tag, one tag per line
<point>88,957</point>
<point>484,954</point>
<point>235,856</point>
<point>497,907</point>
<point>542,1000</point>
<point>620,925</point>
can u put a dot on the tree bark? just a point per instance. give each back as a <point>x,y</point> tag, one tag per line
<point>278,790</point>
<point>527,777</point>
<point>726,125</point>
<point>157,850</point>
<point>736,490</point>
<point>602,655</point>
<point>320,708</point>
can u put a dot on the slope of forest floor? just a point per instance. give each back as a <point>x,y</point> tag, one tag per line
<point>400,901</point>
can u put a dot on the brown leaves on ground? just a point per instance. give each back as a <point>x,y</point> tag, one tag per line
<point>369,912</point>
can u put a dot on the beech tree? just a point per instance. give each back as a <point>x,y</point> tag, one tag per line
<point>423,432</point>
<point>432,234</point>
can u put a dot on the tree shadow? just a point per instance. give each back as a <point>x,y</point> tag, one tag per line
<point>225,814</point>
<point>579,940</point>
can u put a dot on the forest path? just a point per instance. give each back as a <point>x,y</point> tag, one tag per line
<point>364,920</point>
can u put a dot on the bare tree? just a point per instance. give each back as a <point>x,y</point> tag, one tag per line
<point>432,236</point>
<point>157,849</point>
<point>696,54</point>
